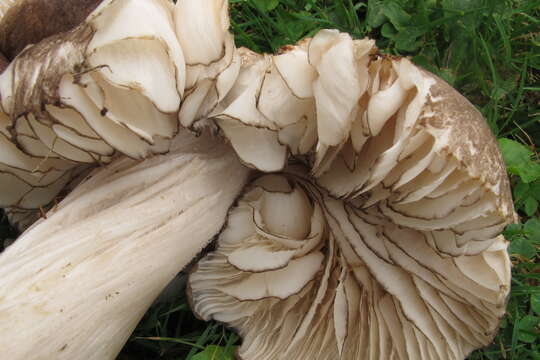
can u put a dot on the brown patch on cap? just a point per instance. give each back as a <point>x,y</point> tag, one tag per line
<point>30,21</point>
<point>38,70</point>
<point>285,49</point>
<point>470,141</point>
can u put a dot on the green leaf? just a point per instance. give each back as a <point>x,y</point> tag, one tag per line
<point>395,13</point>
<point>407,39</point>
<point>404,42</point>
<point>527,328</point>
<point>534,355</point>
<point>535,303</point>
<point>534,189</point>
<point>375,15</point>
<point>267,5</point>
<point>214,352</point>
<point>522,246</point>
<point>532,229</point>
<point>512,231</point>
<point>388,31</point>
<point>530,206</point>
<point>521,190</point>
<point>518,160</point>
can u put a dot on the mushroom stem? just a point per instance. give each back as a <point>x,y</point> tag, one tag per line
<point>76,285</point>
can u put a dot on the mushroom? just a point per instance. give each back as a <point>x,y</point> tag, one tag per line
<point>384,243</point>
<point>377,236</point>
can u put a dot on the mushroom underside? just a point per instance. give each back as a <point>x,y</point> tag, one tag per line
<point>381,240</point>
<point>300,274</point>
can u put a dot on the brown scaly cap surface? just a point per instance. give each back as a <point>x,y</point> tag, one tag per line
<point>30,21</point>
<point>470,141</point>
<point>39,69</point>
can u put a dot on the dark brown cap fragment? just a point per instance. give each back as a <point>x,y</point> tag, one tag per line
<point>30,21</point>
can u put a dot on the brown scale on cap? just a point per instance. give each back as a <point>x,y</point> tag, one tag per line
<point>30,21</point>
<point>471,139</point>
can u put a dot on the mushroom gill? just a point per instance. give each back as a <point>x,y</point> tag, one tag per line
<point>108,87</point>
<point>303,275</point>
<point>399,254</point>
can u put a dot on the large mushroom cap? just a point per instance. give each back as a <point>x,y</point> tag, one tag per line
<point>387,245</point>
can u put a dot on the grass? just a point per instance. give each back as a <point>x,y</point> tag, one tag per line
<point>490,51</point>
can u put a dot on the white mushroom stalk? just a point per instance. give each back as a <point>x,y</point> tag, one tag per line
<point>380,239</point>
<point>89,271</point>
